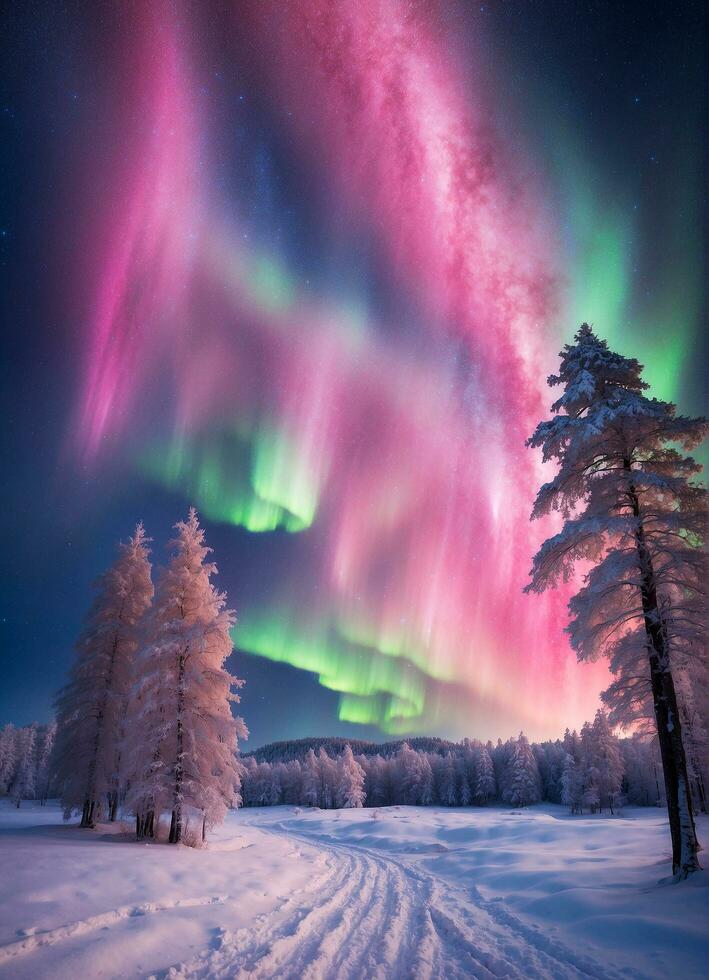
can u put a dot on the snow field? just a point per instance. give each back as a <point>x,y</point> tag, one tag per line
<point>390,893</point>
<point>98,904</point>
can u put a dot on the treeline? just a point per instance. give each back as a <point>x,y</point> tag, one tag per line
<point>588,771</point>
<point>286,751</point>
<point>26,771</point>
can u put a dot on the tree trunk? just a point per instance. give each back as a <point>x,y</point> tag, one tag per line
<point>97,739</point>
<point>696,780</point>
<point>176,819</point>
<point>667,718</point>
<point>87,814</point>
<point>658,799</point>
<point>145,824</point>
<point>701,793</point>
<point>112,806</point>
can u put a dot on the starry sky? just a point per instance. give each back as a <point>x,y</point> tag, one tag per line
<point>307,266</point>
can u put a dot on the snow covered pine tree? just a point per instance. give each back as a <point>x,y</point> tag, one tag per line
<point>485,786</point>
<point>633,510</point>
<point>350,781</point>
<point>183,737</point>
<point>607,761</point>
<point>91,708</point>
<point>44,762</point>
<point>523,785</point>
<point>8,756</point>
<point>23,785</point>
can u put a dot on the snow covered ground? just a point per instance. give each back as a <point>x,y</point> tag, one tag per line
<point>397,892</point>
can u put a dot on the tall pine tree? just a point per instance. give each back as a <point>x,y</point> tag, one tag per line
<point>607,761</point>
<point>182,736</point>
<point>634,512</point>
<point>485,787</point>
<point>91,708</point>
<point>523,784</point>
<point>350,781</point>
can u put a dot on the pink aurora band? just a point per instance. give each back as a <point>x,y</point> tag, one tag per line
<point>394,456</point>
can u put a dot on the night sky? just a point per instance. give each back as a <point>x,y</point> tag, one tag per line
<point>307,266</point>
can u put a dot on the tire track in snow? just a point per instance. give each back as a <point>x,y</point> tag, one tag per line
<point>361,923</point>
<point>376,917</point>
<point>289,933</point>
<point>419,948</point>
<point>361,916</point>
<point>467,922</point>
<point>404,922</point>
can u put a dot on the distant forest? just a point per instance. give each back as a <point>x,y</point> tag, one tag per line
<point>297,749</point>
<point>588,771</point>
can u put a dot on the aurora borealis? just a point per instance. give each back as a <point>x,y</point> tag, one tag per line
<point>326,254</point>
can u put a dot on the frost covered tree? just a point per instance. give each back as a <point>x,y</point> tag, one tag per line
<point>463,768</point>
<point>8,756</point>
<point>412,777</point>
<point>485,786</point>
<point>571,785</point>
<point>311,780</point>
<point>588,773</point>
<point>260,784</point>
<point>522,782</point>
<point>350,780</point>
<point>425,797</point>
<point>184,738</point>
<point>629,698</point>
<point>293,782</point>
<point>141,766</point>
<point>633,510</point>
<point>550,758</point>
<point>91,708</point>
<point>573,773</point>
<point>642,780</point>
<point>23,783</point>
<point>445,781</point>
<point>327,771</point>
<point>607,761</point>
<point>44,762</point>
<point>693,693</point>
<point>377,779</point>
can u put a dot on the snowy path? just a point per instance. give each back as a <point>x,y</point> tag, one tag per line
<point>369,916</point>
<point>387,894</point>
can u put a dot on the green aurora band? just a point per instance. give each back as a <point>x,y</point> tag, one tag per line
<point>375,688</point>
<point>257,481</point>
<point>644,306</point>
